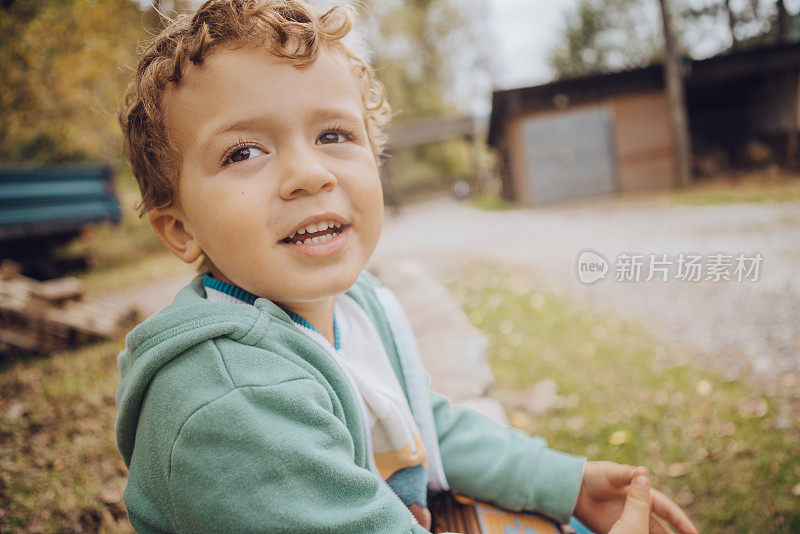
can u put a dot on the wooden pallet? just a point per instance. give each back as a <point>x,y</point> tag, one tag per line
<point>54,315</point>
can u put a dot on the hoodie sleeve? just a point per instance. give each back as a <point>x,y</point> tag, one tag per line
<point>275,458</point>
<point>495,463</point>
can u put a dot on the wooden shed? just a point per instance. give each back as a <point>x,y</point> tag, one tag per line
<point>610,133</point>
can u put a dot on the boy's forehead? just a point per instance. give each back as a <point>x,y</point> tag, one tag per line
<point>232,73</point>
<point>243,83</point>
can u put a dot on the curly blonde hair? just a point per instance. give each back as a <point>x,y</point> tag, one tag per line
<point>288,29</point>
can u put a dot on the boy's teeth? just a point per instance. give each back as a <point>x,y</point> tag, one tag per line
<point>319,227</point>
<point>318,239</point>
<point>316,228</point>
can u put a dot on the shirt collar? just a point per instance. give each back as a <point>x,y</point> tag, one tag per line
<point>237,294</point>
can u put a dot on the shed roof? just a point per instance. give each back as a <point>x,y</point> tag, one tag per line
<point>718,69</point>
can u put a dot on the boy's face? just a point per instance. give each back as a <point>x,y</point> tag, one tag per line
<point>265,149</point>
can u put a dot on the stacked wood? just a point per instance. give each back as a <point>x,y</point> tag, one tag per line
<point>53,315</point>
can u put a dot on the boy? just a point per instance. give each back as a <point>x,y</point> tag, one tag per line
<point>282,391</point>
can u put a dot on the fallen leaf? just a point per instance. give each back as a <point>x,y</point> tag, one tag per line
<point>620,437</point>
<point>796,490</point>
<point>726,429</point>
<point>15,411</point>
<point>704,388</point>
<point>110,496</point>
<point>752,407</point>
<point>678,469</point>
<point>520,419</point>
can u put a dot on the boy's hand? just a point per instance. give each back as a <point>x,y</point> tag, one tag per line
<point>603,493</point>
<point>635,517</point>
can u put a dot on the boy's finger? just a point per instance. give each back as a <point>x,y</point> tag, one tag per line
<point>621,475</point>
<point>672,514</point>
<point>657,526</point>
<point>635,516</point>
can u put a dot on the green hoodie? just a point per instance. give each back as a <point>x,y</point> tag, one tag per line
<point>232,419</point>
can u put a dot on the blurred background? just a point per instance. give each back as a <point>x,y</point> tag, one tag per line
<point>525,132</point>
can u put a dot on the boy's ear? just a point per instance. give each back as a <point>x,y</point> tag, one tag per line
<point>170,229</point>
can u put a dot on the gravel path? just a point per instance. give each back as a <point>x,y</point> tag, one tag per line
<point>743,329</point>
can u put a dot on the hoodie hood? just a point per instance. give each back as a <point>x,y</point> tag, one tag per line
<point>189,320</point>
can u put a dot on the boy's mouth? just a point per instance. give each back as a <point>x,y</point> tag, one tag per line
<point>315,233</point>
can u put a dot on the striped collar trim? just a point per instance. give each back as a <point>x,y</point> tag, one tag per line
<point>245,297</point>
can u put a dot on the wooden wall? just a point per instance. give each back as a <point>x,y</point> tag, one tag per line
<point>643,142</point>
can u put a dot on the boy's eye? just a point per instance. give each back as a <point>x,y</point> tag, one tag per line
<point>332,136</point>
<point>243,154</point>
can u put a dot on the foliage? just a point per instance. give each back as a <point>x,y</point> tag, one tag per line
<point>607,35</point>
<point>722,449</point>
<point>64,65</point>
<point>421,50</point>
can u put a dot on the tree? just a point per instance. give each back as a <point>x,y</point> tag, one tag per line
<point>64,66</point>
<point>676,98</point>
<point>607,35</point>
<point>422,48</point>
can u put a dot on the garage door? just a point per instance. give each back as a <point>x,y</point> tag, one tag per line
<point>569,154</point>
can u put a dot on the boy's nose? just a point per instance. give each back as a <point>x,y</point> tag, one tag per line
<point>304,174</point>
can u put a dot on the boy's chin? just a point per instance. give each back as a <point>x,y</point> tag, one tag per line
<point>323,289</point>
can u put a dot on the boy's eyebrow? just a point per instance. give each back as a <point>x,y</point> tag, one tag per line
<point>323,115</point>
<point>253,123</point>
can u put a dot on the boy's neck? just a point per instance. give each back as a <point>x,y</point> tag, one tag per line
<point>318,313</point>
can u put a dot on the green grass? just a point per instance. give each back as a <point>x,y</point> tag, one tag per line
<point>713,446</point>
<point>490,202</point>
<point>752,188</point>
<point>698,198</point>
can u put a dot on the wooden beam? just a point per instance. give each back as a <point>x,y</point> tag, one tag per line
<point>424,131</point>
